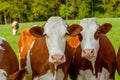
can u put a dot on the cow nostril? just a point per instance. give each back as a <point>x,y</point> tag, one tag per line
<point>58,57</point>
<point>87,51</point>
<point>92,50</point>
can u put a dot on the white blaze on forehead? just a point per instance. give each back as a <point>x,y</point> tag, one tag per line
<point>14,23</point>
<point>3,75</point>
<point>90,26</point>
<point>14,31</point>
<point>55,29</point>
<point>55,25</point>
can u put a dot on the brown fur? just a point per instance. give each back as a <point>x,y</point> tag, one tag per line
<point>118,61</point>
<point>9,62</point>
<point>106,56</point>
<point>25,41</point>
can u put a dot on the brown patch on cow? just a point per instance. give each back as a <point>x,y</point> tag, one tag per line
<point>39,57</point>
<point>118,61</point>
<point>102,29</point>
<point>8,59</point>
<point>9,62</point>
<point>74,29</point>
<point>106,56</point>
<point>37,31</point>
<point>19,75</point>
<point>25,41</point>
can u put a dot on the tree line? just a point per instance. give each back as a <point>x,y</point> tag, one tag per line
<point>40,10</point>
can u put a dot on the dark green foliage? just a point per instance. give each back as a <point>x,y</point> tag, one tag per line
<point>40,10</point>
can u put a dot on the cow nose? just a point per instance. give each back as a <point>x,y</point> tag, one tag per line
<point>88,51</point>
<point>57,58</point>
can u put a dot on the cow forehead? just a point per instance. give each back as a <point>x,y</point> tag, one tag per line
<point>89,25</point>
<point>55,25</point>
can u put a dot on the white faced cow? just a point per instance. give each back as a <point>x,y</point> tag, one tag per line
<point>15,27</point>
<point>94,58</point>
<point>49,55</point>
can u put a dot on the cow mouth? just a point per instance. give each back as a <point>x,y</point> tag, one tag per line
<point>88,56</point>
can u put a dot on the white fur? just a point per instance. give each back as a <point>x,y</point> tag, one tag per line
<point>28,64</point>
<point>47,76</point>
<point>3,75</point>
<point>88,75</point>
<point>14,23</point>
<point>14,31</point>
<point>60,75</point>
<point>1,48</point>
<point>2,39</point>
<point>55,29</point>
<point>90,26</point>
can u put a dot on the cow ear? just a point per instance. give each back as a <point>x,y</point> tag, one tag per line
<point>37,31</point>
<point>74,29</point>
<point>105,28</point>
<point>19,75</point>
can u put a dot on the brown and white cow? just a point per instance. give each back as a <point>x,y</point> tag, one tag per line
<point>25,40</point>
<point>15,27</point>
<point>9,67</point>
<point>118,61</point>
<point>94,58</point>
<point>49,56</point>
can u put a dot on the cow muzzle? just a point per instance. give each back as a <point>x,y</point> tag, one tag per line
<point>88,53</point>
<point>57,59</point>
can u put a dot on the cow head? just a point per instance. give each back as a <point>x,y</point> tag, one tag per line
<point>15,26</point>
<point>55,31</point>
<point>89,37</point>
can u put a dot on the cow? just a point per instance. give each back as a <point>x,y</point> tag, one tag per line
<point>15,27</point>
<point>24,43</point>
<point>49,55</point>
<point>118,61</point>
<point>94,58</point>
<point>9,66</point>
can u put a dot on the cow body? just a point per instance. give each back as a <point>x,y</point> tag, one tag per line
<point>94,58</point>
<point>24,43</point>
<point>118,61</point>
<point>15,27</point>
<point>49,55</point>
<point>9,67</point>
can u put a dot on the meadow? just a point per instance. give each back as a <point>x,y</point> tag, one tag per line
<point>113,35</point>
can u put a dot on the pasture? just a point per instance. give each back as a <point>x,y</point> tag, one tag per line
<point>113,35</point>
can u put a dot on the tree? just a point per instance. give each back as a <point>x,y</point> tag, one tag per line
<point>84,9</point>
<point>65,11</point>
<point>4,8</point>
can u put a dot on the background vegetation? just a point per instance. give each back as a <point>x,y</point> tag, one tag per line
<point>113,35</point>
<point>39,10</point>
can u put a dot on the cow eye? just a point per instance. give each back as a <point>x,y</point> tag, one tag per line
<point>97,34</point>
<point>80,37</point>
<point>65,34</point>
<point>45,35</point>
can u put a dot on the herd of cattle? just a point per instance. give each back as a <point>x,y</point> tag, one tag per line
<point>46,53</point>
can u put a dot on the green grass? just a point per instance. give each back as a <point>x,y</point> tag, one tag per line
<point>113,35</point>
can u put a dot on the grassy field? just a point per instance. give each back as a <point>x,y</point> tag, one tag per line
<point>113,35</point>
